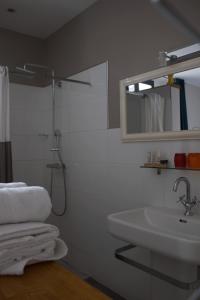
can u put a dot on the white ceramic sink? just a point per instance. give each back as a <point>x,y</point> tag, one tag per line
<point>162,230</point>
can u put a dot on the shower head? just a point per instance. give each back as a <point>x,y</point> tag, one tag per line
<point>24,70</point>
<point>41,68</point>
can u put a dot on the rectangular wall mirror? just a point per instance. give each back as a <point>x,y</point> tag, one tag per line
<point>163,104</point>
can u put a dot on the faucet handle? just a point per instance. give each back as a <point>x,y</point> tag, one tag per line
<point>196,201</point>
<point>182,199</point>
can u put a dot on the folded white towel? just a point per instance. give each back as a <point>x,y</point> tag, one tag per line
<point>8,257</point>
<point>16,240</point>
<point>12,184</point>
<point>10,233</point>
<point>48,254</point>
<point>28,243</point>
<point>24,204</point>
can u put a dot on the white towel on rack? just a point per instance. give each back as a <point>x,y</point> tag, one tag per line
<point>24,204</point>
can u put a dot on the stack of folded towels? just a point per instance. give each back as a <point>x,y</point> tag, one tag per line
<point>24,238</point>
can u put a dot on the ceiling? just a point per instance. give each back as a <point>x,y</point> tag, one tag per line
<point>40,18</point>
<point>189,10</point>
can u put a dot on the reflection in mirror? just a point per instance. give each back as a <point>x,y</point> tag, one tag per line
<point>168,103</point>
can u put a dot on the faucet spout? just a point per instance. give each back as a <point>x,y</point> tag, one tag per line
<point>187,183</point>
<point>186,200</point>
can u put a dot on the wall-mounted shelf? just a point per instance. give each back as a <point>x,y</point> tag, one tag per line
<point>159,169</point>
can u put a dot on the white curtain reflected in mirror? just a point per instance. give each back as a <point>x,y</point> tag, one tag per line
<point>150,111</point>
<point>154,106</point>
<point>159,106</point>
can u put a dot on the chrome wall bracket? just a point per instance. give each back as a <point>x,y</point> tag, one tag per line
<point>155,273</point>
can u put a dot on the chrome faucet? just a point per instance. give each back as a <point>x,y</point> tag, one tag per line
<point>186,199</point>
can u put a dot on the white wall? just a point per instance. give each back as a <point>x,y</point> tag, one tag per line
<point>104,176</point>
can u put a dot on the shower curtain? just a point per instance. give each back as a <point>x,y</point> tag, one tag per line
<point>154,113</point>
<point>5,143</point>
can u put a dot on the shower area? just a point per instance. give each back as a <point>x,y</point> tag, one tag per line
<point>37,129</point>
<point>59,141</point>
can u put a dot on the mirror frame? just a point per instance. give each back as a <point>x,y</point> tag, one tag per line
<point>155,136</point>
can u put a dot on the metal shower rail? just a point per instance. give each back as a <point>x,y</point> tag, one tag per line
<point>30,73</point>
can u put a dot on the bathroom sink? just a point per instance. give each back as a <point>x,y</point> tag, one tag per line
<point>162,230</point>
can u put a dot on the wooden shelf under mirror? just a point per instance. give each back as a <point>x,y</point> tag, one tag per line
<point>159,169</point>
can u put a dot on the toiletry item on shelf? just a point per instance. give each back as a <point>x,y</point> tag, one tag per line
<point>164,163</point>
<point>149,157</point>
<point>180,160</point>
<point>153,156</point>
<point>193,160</point>
<point>157,156</point>
<point>154,160</point>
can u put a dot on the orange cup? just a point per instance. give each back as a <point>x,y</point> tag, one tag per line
<point>193,160</point>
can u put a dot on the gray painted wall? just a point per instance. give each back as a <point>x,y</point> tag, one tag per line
<point>127,33</point>
<point>17,49</point>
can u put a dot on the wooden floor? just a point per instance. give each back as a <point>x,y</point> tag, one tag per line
<point>47,281</point>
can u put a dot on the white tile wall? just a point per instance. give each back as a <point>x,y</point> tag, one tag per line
<point>103,176</point>
<point>30,117</point>
<point>88,146</point>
